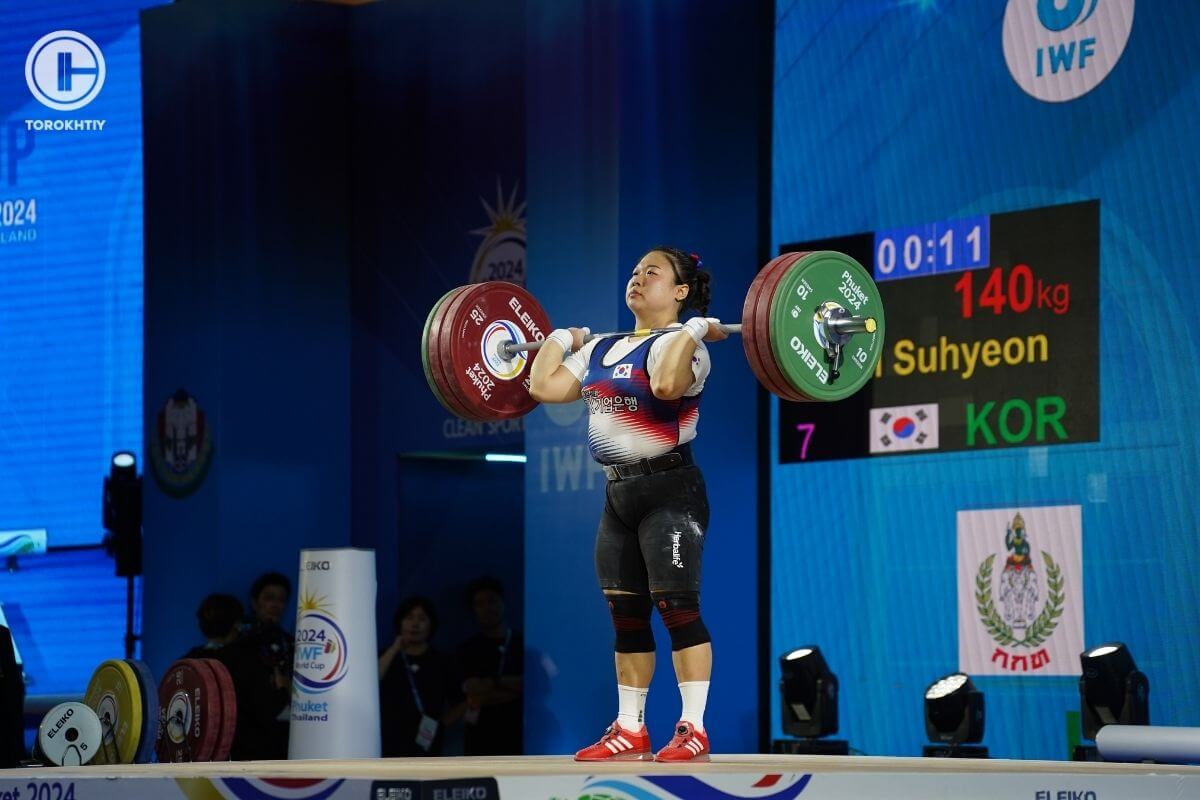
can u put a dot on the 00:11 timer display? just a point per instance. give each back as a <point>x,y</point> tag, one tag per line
<point>932,248</point>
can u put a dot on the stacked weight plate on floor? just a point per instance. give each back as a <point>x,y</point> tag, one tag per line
<point>229,709</point>
<point>198,712</point>
<point>459,350</point>
<point>115,694</point>
<point>70,735</point>
<point>149,690</point>
<point>783,332</point>
<point>124,696</point>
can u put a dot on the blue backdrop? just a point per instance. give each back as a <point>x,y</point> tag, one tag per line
<point>290,268</point>
<point>894,114</point>
<point>71,328</point>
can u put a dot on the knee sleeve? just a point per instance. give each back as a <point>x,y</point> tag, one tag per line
<point>631,619</point>
<point>681,614</point>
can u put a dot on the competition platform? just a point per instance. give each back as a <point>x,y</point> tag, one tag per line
<point>730,777</point>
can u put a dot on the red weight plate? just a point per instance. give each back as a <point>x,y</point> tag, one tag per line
<point>761,318</point>
<point>748,326</point>
<point>215,719</point>
<point>439,357</point>
<point>189,702</point>
<point>750,323</point>
<point>763,341</point>
<point>443,350</point>
<point>488,315</point>
<point>228,697</point>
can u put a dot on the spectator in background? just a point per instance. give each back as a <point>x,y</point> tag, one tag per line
<point>417,684</point>
<point>265,634</point>
<point>263,695</point>
<point>492,663</point>
<point>268,643</point>
<point>220,620</point>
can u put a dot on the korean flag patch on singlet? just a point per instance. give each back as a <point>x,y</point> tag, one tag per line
<point>622,370</point>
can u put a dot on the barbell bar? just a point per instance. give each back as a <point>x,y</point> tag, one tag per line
<point>812,328</point>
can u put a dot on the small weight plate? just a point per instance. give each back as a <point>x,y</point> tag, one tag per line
<point>115,695</point>
<point>479,320</point>
<point>190,712</point>
<point>823,277</point>
<point>70,735</point>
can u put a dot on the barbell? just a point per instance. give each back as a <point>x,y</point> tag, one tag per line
<point>812,329</point>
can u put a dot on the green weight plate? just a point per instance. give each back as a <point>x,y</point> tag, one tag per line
<point>819,278</point>
<point>433,387</point>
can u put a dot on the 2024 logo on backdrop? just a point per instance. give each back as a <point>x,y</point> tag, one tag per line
<point>1058,50</point>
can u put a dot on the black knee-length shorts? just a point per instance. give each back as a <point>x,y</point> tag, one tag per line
<point>651,534</point>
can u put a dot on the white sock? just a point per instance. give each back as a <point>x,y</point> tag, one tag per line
<point>695,698</point>
<point>631,702</point>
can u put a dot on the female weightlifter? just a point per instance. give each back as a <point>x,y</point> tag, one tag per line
<point>643,398</point>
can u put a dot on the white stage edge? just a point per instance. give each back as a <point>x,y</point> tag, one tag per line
<point>731,777</point>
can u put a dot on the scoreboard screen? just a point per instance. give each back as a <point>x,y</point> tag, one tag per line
<point>993,339</point>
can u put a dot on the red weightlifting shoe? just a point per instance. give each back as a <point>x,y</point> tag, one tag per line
<point>619,744</point>
<point>688,744</point>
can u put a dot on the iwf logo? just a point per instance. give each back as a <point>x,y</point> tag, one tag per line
<point>1058,50</point>
<point>65,70</point>
<point>320,661</point>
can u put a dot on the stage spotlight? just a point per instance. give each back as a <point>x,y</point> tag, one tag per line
<point>809,704</point>
<point>1112,691</point>
<point>123,513</point>
<point>122,517</point>
<point>954,717</point>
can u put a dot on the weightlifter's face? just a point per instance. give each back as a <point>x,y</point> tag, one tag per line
<point>652,289</point>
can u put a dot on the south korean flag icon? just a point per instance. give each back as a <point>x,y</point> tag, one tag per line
<point>900,429</point>
<point>622,370</point>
